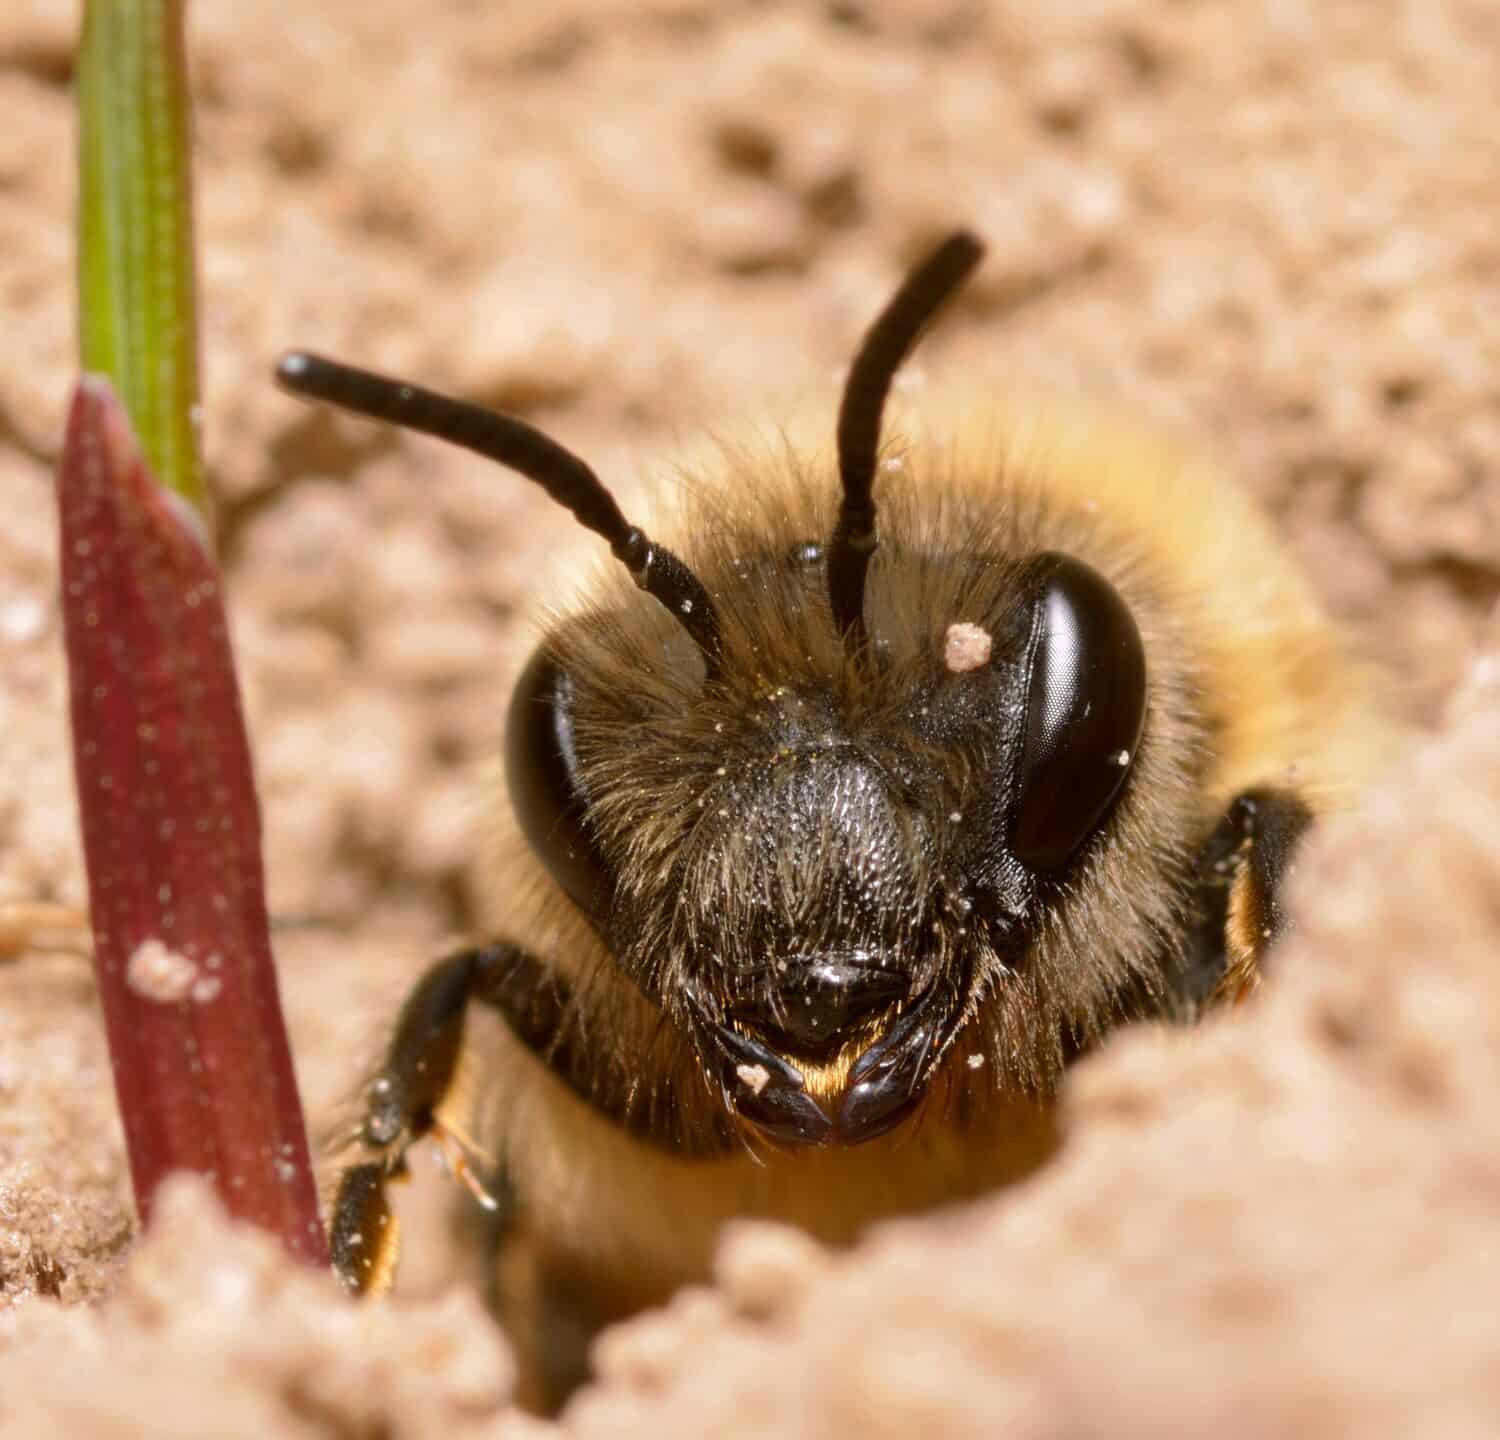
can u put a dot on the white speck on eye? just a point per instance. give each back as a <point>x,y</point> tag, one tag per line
<point>1121,758</point>
<point>966,647</point>
<point>754,1078</point>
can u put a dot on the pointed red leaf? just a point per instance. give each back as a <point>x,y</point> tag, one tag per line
<point>171,834</point>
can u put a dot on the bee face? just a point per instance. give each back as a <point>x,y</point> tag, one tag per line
<point>820,876</point>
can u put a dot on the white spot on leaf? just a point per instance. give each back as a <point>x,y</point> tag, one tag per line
<point>157,972</point>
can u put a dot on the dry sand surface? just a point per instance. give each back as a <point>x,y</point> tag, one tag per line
<point>1273,226</point>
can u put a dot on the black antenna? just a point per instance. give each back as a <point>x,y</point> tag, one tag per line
<point>523,448</point>
<point>881,354</point>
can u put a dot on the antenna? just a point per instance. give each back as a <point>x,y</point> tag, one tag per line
<point>881,354</point>
<point>524,449</point>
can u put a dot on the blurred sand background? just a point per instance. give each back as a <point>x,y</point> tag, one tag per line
<point>1274,227</point>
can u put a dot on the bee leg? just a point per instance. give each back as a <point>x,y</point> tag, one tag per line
<point>1247,860</point>
<point>401,1107</point>
<point>405,1099</point>
<point>363,1240</point>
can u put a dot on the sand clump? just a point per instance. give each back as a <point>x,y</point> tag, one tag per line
<point>212,1331</point>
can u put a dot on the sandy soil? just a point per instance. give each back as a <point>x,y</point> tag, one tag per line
<point>1270,226</point>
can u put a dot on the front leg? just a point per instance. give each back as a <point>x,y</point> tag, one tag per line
<point>405,1099</point>
<point>1248,859</point>
<point>401,1107</point>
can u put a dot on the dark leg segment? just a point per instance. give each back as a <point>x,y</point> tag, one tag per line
<point>362,1237</point>
<point>401,1107</point>
<point>1244,868</point>
<point>421,1063</point>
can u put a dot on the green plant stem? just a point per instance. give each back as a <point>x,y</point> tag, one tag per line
<point>137,315</point>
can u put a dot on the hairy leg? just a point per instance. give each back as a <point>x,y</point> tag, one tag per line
<point>405,1098</point>
<point>1249,858</point>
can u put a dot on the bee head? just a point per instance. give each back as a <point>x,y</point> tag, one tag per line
<point>821,877</point>
<point>815,831</point>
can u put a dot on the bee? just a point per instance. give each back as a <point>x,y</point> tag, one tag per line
<point>909,777</point>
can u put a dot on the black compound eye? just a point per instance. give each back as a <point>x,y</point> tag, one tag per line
<point>541,766</point>
<point>1085,708</point>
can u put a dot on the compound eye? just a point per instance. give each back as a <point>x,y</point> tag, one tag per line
<point>546,789</point>
<point>1085,708</point>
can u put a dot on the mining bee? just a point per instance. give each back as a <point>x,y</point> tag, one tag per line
<point>912,774</point>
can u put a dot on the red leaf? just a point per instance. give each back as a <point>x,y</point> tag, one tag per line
<point>171,836</point>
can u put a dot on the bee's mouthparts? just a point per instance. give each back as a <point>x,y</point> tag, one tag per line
<point>844,1067</point>
<point>814,1005</point>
